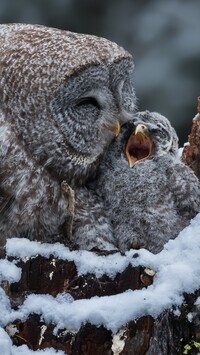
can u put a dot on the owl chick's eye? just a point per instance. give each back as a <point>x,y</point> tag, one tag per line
<point>85,101</point>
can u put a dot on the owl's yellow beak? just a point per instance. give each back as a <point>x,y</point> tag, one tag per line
<point>142,129</point>
<point>115,128</point>
<point>139,145</point>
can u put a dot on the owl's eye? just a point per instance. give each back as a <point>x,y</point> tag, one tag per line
<point>85,101</point>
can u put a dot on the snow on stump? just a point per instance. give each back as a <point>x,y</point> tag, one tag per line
<point>49,287</point>
<point>52,276</point>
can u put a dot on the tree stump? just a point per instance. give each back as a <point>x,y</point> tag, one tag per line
<point>191,152</point>
<point>52,276</point>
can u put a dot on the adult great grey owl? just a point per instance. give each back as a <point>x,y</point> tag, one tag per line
<point>63,98</point>
<point>149,194</point>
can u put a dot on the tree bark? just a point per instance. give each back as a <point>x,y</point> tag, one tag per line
<point>191,152</point>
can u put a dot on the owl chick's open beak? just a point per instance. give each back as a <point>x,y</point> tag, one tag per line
<point>139,145</point>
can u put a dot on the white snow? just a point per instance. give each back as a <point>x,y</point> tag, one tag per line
<point>177,269</point>
<point>118,343</point>
<point>6,347</point>
<point>9,271</point>
<point>86,262</point>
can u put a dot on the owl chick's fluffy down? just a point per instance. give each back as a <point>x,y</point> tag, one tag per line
<point>63,97</point>
<point>154,200</point>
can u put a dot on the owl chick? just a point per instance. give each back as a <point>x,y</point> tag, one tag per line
<point>149,194</point>
<point>63,99</point>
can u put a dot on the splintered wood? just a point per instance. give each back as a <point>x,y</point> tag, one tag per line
<point>191,152</point>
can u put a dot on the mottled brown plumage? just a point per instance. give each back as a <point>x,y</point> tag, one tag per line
<point>61,96</point>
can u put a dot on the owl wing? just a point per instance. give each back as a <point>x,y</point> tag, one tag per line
<point>6,201</point>
<point>185,188</point>
<point>91,226</point>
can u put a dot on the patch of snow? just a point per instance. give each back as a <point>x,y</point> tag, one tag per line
<point>9,271</point>
<point>5,343</point>
<point>24,350</point>
<point>11,329</point>
<point>43,330</point>
<point>177,312</point>
<point>6,347</point>
<point>86,262</point>
<point>118,342</point>
<point>51,275</point>
<point>190,317</point>
<point>197,302</point>
<point>64,297</point>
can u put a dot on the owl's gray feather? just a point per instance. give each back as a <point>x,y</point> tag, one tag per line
<point>61,95</point>
<point>92,228</point>
<point>153,201</point>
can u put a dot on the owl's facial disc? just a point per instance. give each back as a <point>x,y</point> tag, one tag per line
<point>139,145</point>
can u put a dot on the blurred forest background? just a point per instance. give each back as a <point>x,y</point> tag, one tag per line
<point>163,37</point>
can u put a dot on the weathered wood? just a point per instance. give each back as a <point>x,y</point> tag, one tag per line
<point>191,152</point>
<point>53,276</point>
